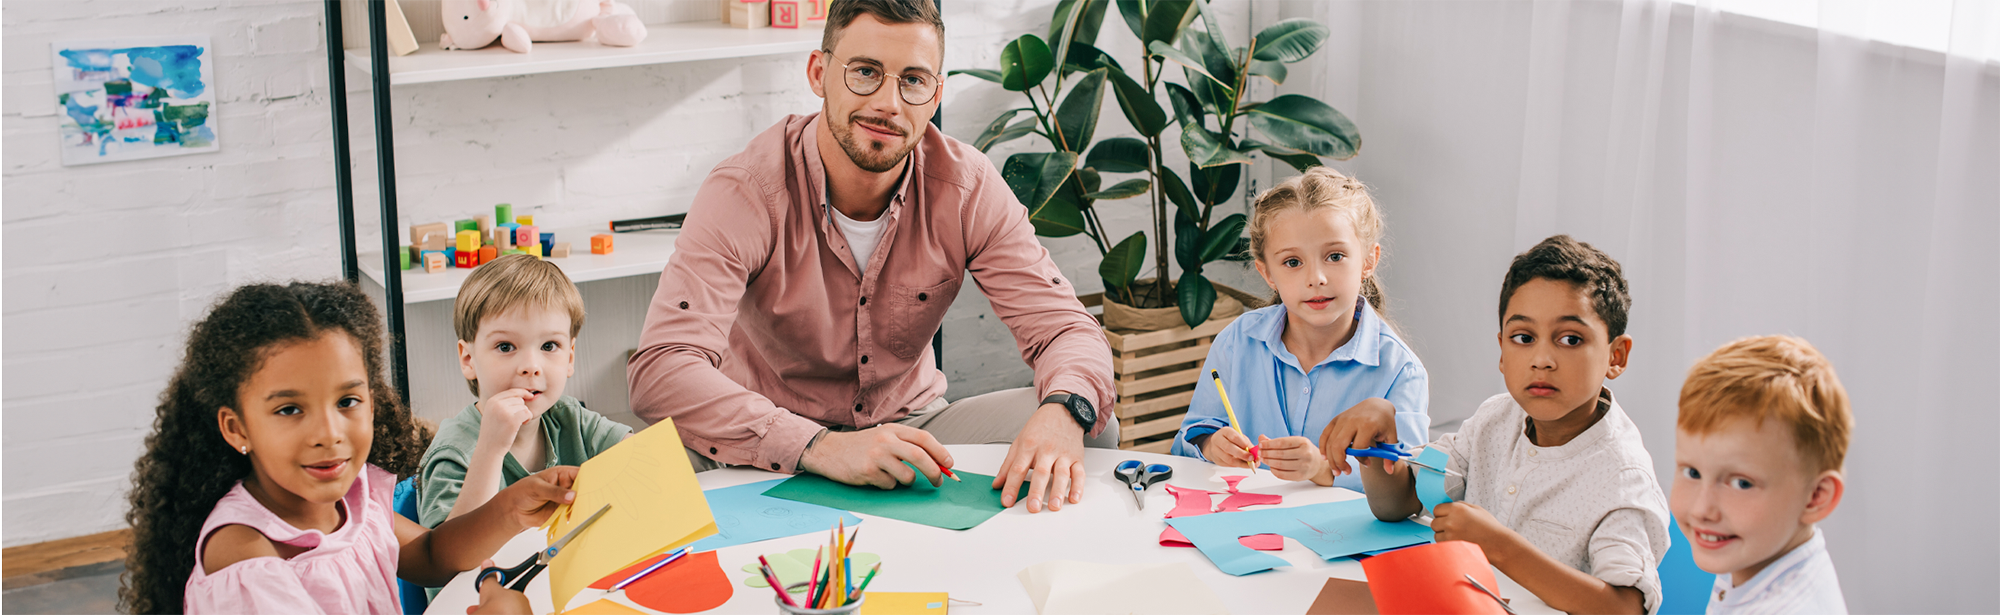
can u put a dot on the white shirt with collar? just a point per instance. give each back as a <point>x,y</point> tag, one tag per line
<point>1592,503</point>
<point>1801,581</point>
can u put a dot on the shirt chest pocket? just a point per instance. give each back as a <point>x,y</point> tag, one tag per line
<point>910,314</point>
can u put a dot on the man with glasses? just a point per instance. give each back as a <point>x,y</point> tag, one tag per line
<point>791,330</point>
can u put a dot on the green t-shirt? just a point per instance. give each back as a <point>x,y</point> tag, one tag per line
<point>574,435</point>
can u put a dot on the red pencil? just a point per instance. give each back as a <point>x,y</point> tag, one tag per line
<point>812,583</point>
<point>771,577</point>
<point>948,474</point>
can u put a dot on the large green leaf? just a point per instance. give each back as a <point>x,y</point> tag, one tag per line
<point>1215,184</point>
<point>994,129</point>
<point>1024,63</point>
<point>1124,261</point>
<point>1299,160</point>
<point>1197,297</point>
<point>1216,39</point>
<point>1216,57</point>
<point>1059,34</point>
<point>1134,12</point>
<point>1306,124</point>
<point>1207,149</point>
<point>1060,217</point>
<point>1187,108</point>
<point>1187,243</point>
<point>1186,61</point>
<point>1210,94</point>
<point>982,73</point>
<point>1177,192</point>
<point>1290,40</point>
<point>1141,110</point>
<point>1089,21</point>
<point>1034,178</point>
<point>1077,116</point>
<point>1020,129</point>
<point>1165,20</point>
<point>1119,155</point>
<point>1273,70</point>
<point>1220,237</point>
<point>1083,57</point>
<point>1124,190</point>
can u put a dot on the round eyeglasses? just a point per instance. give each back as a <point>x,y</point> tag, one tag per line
<point>864,77</point>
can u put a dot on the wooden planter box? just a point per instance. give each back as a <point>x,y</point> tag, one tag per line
<point>1156,372</point>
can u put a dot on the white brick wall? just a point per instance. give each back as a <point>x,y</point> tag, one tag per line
<point>107,264</point>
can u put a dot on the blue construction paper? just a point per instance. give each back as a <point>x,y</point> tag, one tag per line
<point>1430,483</point>
<point>743,515</point>
<point>1338,529</point>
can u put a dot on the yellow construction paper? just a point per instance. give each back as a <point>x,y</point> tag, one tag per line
<point>604,606</point>
<point>905,603</point>
<point>656,506</point>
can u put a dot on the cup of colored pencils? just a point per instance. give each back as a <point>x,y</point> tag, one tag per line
<point>835,588</point>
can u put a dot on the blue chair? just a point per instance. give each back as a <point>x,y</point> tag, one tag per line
<point>415,600</point>
<point>1684,586</point>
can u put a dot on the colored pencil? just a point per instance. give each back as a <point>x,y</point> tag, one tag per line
<point>771,577</point>
<point>682,552</point>
<point>864,584</point>
<point>948,474</point>
<point>1232,413</point>
<point>847,593</point>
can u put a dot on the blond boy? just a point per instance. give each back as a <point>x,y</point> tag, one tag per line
<point>1758,451</point>
<point>517,319</point>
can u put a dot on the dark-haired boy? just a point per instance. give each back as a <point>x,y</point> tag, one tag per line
<point>1556,487</point>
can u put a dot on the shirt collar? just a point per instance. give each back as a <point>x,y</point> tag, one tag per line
<point>1364,348</point>
<point>1613,420</point>
<point>1728,594</point>
<point>816,169</point>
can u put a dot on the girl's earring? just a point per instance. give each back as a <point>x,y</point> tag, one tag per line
<point>246,449</point>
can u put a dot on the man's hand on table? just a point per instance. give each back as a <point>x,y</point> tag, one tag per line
<point>875,456</point>
<point>1048,455</point>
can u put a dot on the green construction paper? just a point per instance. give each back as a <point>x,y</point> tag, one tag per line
<point>955,506</point>
<point>795,566</point>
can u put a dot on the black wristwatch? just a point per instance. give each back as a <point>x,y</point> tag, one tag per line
<point>1079,409</point>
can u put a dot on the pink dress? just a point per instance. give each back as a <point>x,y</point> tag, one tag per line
<point>352,570</point>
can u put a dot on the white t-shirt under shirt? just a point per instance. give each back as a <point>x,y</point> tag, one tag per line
<point>862,237</point>
<point>1592,503</point>
<point>1801,581</point>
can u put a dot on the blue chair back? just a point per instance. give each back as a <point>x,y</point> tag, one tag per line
<point>1684,586</point>
<point>415,599</point>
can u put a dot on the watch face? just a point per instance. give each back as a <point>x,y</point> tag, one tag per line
<point>1081,408</point>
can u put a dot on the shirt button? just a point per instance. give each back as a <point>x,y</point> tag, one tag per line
<point>1531,452</point>
<point>711,450</point>
<point>684,305</point>
<point>923,297</point>
<point>774,466</point>
<point>864,301</point>
<point>1510,490</point>
<point>864,359</point>
<point>857,408</point>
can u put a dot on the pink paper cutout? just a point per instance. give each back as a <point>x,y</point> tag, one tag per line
<point>1192,502</point>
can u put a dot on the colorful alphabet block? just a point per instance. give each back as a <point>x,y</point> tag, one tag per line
<point>600,244</point>
<point>488,253</point>
<point>526,235</point>
<point>467,224</point>
<point>433,262</point>
<point>503,213</point>
<point>468,240</point>
<point>818,12</point>
<point>404,255</point>
<point>464,259</point>
<point>535,250</point>
<point>749,15</point>
<point>451,256</point>
<point>785,14</point>
<point>524,220</point>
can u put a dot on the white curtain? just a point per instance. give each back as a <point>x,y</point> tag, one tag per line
<point>1754,176</point>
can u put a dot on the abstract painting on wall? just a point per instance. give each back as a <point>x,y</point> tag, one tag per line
<point>134,98</point>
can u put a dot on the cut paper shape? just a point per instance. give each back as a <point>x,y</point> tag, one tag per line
<point>692,584</point>
<point>1064,587</point>
<point>1430,483</point>
<point>795,566</point>
<point>1331,530</point>
<point>1191,502</point>
<point>1431,579</point>
<point>743,515</point>
<point>906,603</point>
<point>954,506</point>
<point>604,606</point>
<point>1343,597</point>
<point>656,506</point>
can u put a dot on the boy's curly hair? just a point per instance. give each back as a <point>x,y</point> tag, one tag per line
<point>1562,259</point>
<point>187,466</point>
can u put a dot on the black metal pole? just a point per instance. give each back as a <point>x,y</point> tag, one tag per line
<point>385,171</point>
<point>937,122</point>
<point>343,187</point>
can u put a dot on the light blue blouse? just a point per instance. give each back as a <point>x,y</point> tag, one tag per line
<point>1275,397</point>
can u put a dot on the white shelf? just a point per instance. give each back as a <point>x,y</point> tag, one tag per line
<point>634,253</point>
<point>665,43</point>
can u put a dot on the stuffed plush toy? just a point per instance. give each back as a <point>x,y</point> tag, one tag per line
<point>472,24</point>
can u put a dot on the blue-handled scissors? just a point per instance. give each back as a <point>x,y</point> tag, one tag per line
<point>522,574</point>
<point>1396,452</point>
<point>1139,476</point>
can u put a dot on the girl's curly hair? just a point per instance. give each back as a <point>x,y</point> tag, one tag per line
<point>188,466</point>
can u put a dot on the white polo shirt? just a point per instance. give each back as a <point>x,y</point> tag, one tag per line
<point>1801,581</point>
<point>1592,503</point>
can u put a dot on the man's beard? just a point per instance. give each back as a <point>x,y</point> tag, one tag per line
<point>874,157</point>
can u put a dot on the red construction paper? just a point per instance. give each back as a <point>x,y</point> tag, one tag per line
<point>1431,579</point>
<point>1191,502</point>
<point>693,584</point>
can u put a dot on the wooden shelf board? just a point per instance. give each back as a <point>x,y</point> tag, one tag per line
<point>666,43</point>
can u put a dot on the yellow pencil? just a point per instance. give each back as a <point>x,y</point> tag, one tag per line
<point>1219,392</point>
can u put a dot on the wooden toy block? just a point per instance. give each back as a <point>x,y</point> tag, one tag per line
<point>526,235</point>
<point>561,250</point>
<point>503,213</point>
<point>524,220</point>
<point>513,251</point>
<point>433,262</point>
<point>488,253</point>
<point>432,236</point>
<point>750,15</point>
<point>548,247</point>
<point>785,14</point>
<point>451,256</point>
<point>485,225</point>
<point>404,255</point>
<point>503,236</point>
<point>535,250</point>
<point>545,236</point>
<point>465,260</point>
<point>468,240</point>
<point>818,9</point>
<point>600,244</point>
<point>467,224</point>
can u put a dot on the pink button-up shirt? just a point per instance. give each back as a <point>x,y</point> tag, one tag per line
<point>764,329</point>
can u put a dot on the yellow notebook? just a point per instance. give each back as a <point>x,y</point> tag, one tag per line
<point>906,603</point>
<point>656,506</point>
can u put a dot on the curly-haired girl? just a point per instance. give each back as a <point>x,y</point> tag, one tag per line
<point>266,483</point>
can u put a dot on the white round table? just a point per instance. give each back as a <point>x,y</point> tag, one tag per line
<point>980,564</point>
